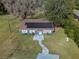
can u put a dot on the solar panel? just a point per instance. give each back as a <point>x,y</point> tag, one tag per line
<point>38,25</point>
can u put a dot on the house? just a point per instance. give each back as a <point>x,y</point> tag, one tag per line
<point>76,14</point>
<point>31,26</point>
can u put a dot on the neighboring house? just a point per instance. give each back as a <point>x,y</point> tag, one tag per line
<point>76,14</point>
<point>32,26</point>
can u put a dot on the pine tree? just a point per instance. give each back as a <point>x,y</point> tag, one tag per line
<point>58,10</point>
<point>22,7</point>
<point>77,4</point>
<point>2,9</point>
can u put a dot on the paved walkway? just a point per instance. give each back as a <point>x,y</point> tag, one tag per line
<point>44,48</point>
<point>40,38</point>
<point>45,52</point>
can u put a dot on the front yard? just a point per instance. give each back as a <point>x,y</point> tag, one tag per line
<point>17,46</point>
<point>57,44</point>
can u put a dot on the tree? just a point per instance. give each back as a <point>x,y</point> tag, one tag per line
<point>77,4</point>
<point>58,10</point>
<point>22,8</point>
<point>2,8</point>
<point>72,30</point>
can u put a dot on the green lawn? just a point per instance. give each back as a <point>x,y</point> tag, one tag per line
<point>17,46</point>
<point>58,45</point>
<point>14,45</point>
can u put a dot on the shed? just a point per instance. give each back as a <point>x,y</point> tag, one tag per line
<point>31,26</point>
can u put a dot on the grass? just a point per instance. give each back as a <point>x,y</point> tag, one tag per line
<point>14,45</point>
<point>7,39</point>
<point>27,48</point>
<point>17,46</point>
<point>58,45</point>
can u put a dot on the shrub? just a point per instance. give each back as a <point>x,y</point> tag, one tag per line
<point>71,28</point>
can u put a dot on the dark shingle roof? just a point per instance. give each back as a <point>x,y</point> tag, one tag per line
<point>39,25</point>
<point>36,24</point>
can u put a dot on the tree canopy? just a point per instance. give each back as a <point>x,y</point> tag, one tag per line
<point>77,4</point>
<point>61,12</point>
<point>21,7</point>
<point>58,10</point>
<point>2,9</point>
